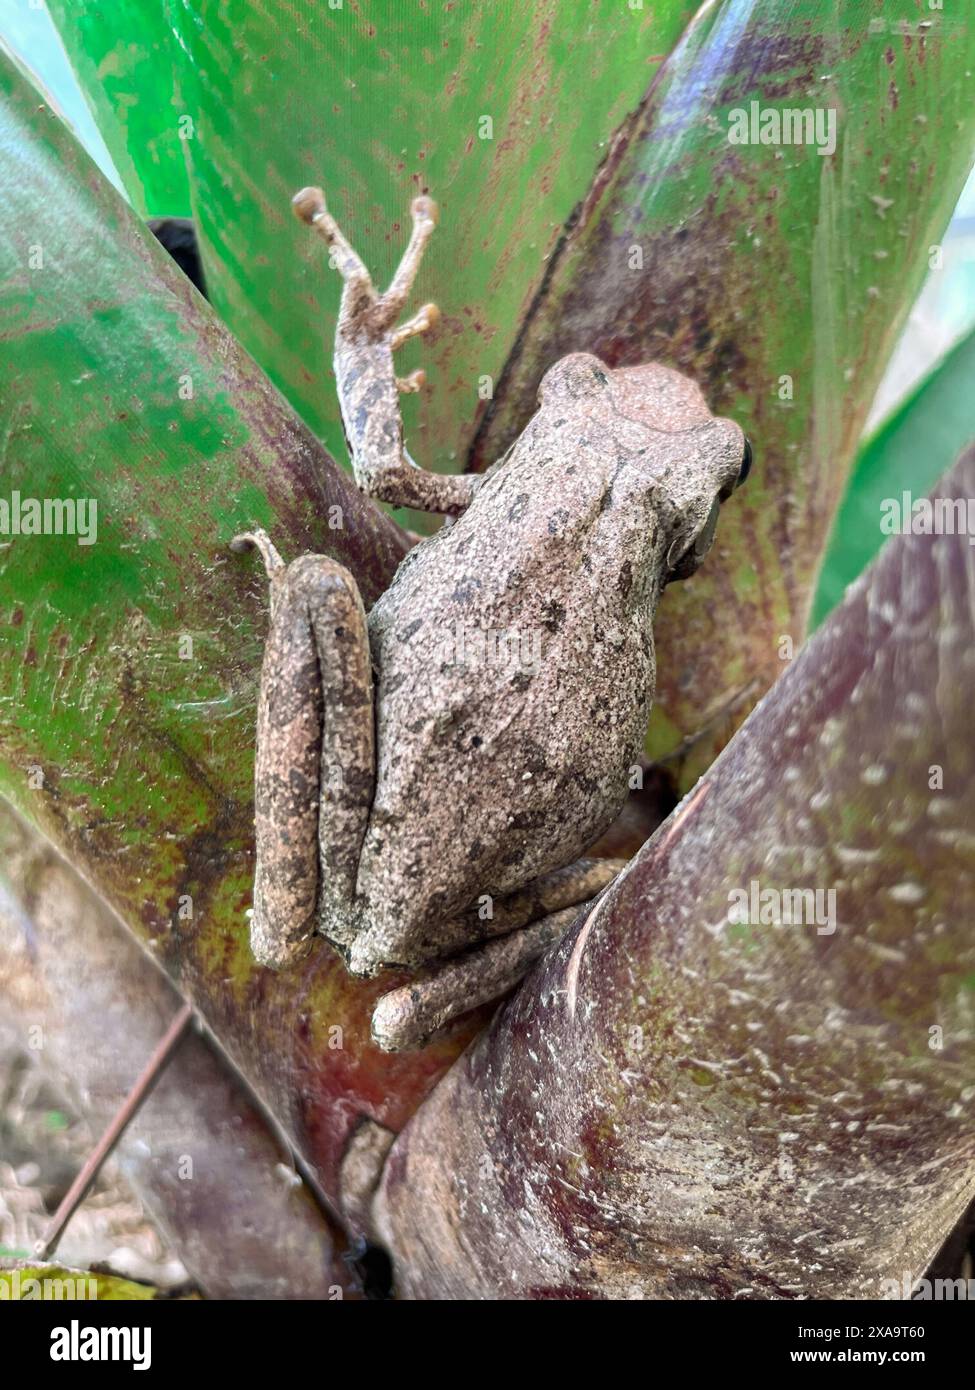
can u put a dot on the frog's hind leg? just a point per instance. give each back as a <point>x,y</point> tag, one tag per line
<point>362,309</point>
<point>408,1016</point>
<point>368,387</point>
<point>315,764</point>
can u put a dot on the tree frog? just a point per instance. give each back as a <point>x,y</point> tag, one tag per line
<point>429,777</point>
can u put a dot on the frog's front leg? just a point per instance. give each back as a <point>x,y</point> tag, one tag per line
<point>408,1016</point>
<point>315,763</point>
<point>368,387</point>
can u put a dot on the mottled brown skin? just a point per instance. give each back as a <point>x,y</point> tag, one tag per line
<point>490,773</point>
<point>314,769</point>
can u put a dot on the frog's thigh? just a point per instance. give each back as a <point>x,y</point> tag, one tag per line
<point>314,768</point>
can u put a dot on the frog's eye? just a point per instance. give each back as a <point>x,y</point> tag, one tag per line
<point>744,468</point>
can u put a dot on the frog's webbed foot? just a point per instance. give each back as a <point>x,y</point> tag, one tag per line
<point>365,339</point>
<point>409,1016</point>
<point>314,767</point>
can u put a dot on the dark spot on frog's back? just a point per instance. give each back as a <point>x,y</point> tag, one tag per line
<point>405,633</point>
<point>625,580</point>
<point>350,378</point>
<point>533,759</point>
<point>301,789</point>
<point>437,903</point>
<point>573,780</point>
<point>553,615</point>
<point>513,579</point>
<point>466,591</point>
<point>557,522</point>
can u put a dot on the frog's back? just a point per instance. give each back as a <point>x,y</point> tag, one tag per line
<point>515,672</point>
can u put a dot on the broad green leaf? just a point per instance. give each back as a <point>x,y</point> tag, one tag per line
<point>908,453</point>
<point>128,667</point>
<point>122,54</point>
<point>502,112</point>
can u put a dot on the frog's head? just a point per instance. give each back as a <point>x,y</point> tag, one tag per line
<point>710,457</point>
<point>695,459</point>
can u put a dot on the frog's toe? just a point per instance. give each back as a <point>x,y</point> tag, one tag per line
<point>260,541</point>
<point>409,385</point>
<point>365,957</point>
<point>309,204</point>
<point>421,322</point>
<point>309,207</point>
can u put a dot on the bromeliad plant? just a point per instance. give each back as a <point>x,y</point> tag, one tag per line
<point>717,1081</point>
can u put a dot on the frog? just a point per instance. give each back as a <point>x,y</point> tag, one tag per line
<point>430,776</point>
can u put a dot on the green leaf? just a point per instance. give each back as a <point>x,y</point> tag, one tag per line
<point>128,667</point>
<point>908,453</point>
<point>376,102</point>
<point>122,55</point>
